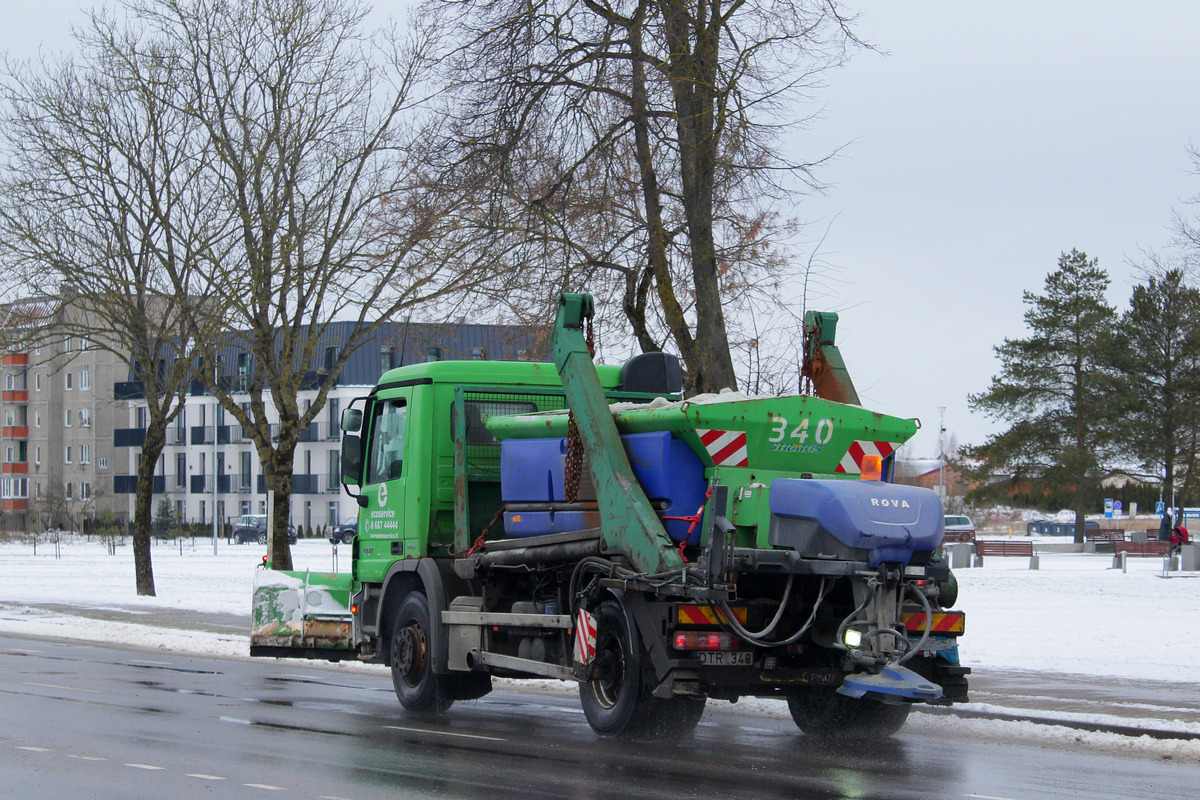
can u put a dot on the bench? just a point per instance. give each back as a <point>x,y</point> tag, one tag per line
<point>1143,548</point>
<point>984,548</point>
<point>959,536</point>
<point>1105,535</point>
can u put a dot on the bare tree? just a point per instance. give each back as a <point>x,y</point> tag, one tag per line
<point>103,207</point>
<point>317,137</point>
<point>635,148</point>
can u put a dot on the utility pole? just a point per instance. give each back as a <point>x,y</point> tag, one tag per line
<point>941,453</point>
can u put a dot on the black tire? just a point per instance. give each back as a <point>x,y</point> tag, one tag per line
<point>417,687</point>
<point>829,715</point>
<point>678,716</point>
<point>614,700</point>
<point>262,538</point>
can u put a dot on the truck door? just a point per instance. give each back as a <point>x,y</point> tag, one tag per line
<point>385,484</point>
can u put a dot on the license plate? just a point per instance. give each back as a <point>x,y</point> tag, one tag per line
<point>726,658</point>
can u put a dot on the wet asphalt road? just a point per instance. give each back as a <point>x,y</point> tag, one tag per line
<point>91,721</point>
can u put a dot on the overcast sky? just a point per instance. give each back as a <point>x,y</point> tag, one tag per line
<point>990,138</point>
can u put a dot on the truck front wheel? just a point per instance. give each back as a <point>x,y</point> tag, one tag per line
<point>412,663</point>
<point>825,713</point>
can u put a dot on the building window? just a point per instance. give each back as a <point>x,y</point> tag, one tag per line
<point>180,470</point>
<point>37,418</point>
<point>67,421</point>
<point>67,345</point>
<point>142,415</point>
<point>85,418</point>
<point>180,510</point>
<point>245,474</point>
<point>101,463</point>
<point>67,458</point>
<point>332,517</point>
<point>37,381</point>
<point>335,470</point>
<point>203,510</point>
<point>37,454</point>
<point>85,379</point>
<point>85,491</point>
<point>245,505</point>
<point>85,454</point>
<point>67,379</point>
<point>10,454</point>
<point>67,491</point>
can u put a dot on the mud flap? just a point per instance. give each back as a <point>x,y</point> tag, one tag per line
<point>892,682</point>
<point>302,615</point>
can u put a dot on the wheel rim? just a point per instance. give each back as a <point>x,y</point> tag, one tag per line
<point>610,678</point>
<point>410,653</point>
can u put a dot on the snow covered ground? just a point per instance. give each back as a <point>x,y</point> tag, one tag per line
<point>1076,614</point>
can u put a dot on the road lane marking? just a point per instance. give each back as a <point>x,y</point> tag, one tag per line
<point>266,786</point>
<point>33,749</point>
<point>204,777</point>
<point>67,688</point>
<point>87,758</point>
<point>144,766</point>
<point>445,733</point>
<point>985,797</point>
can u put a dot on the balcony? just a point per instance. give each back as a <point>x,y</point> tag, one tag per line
<point>306,484</point>
<point>14,432</point>
<point>129,437</point>
<point>14,396</point>
<point>129,390</point>
<point>127,484</point>
<point>202,484</point>
<point>15,360</point>
<point>14,505</point>
<point>14,468</point>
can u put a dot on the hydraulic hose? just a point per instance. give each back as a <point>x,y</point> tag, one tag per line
<point>912,651</point>
<point>737,626</point>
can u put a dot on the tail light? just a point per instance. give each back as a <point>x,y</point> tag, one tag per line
<point>704,640</point>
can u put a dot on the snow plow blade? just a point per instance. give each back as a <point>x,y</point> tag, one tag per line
<point>302,615</point>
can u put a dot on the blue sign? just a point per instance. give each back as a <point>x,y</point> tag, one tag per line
<point>1159,508</point>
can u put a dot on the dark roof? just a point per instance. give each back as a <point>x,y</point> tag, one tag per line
<point>396,344</point>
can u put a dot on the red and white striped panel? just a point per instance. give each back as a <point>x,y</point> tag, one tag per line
<point>585,637</point>
<point>727,448</point>
<point>852,461</point>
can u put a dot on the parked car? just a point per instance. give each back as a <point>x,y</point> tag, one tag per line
<point>959,528</point>
<point>253,528</point>
<point>345,532</point>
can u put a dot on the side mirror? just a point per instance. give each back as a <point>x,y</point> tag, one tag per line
<point>352,463</point>
<point>352,420</point>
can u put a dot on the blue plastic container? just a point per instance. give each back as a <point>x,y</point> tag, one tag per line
<point>531,471</point>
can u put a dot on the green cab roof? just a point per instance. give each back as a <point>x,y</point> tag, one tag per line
<point>500,373</point>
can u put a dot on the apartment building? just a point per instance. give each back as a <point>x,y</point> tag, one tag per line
<point>210,466</point>
<point>57,410</point>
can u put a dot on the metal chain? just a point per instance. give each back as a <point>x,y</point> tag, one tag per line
<point>573,468</point>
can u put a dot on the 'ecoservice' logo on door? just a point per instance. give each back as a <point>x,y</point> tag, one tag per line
<point>382,495</point>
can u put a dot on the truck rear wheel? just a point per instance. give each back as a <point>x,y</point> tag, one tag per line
<point>416,685</point>
<point>614,701</point>
<point>825,713</point>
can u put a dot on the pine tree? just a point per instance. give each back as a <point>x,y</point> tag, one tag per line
<point>164,519</point>
<point>1160,349</point>
<point>1058,388</point>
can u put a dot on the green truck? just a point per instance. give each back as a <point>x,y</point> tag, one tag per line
<point>589,523</point>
